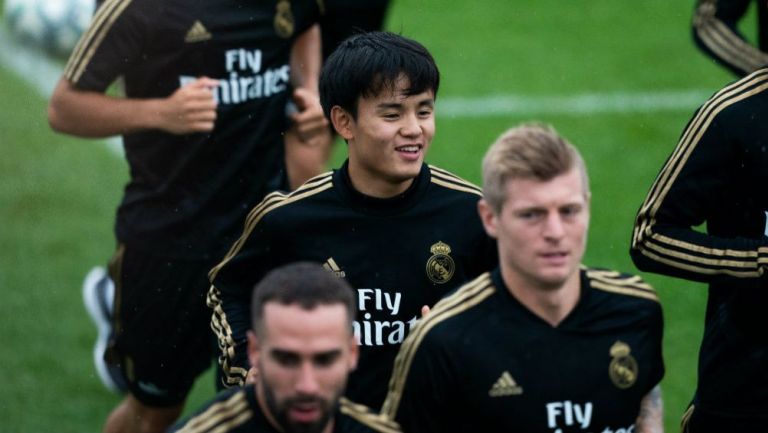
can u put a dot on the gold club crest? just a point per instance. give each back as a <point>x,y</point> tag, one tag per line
<point>284,22</point>
<point>440,266</point>
<point>623,367</point>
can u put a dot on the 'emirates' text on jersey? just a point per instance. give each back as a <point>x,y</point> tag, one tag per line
<point>188,194</point>
<point>399,254</point>
<point>482,362</point>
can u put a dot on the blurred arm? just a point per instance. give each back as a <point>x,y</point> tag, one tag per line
<point>716,33</point>
<point>93,114</point>
<point>650,418</point>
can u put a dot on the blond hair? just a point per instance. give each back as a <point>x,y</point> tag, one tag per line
<point>528,151</point>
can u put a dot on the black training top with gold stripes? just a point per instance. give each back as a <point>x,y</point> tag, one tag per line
<point>715,30</point>
<point>237,411</point>
<point>399,254</point>
<point>482,362</point>
<point>188,194</point>
<point>718,175</point>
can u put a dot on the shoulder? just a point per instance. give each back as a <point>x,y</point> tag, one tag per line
<point>358,418</point>
<point>449,181</point>
<point>226,412</point>
<point>278,202</point>
<point>449,317</point>
<point>737,96</point>
<point>620,284</point>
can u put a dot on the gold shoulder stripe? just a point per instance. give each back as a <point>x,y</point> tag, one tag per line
<point>468,296</point>
<point>102,22</point>
<point>613,288</point>
<point>749,86</point>
<point>270,203</point>
<point>100,15</point>
<point>446,176</point>
<point>365,416</point>
<point>617,279</point>
<point>437,170</point>
<point>220,416</point>
<point>452,185</point>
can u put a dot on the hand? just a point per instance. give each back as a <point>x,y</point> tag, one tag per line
<point>191,108</point>
<point>425,311</point>
<point>309,122</point>
<point>252,376</point>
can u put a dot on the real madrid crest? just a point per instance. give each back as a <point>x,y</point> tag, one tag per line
<point>623,367</point>
<point>284,22</point>
<point>440,266</point>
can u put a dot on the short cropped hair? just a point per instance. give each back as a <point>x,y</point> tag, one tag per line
<point>305,284</point>
<point>366,64</point>
<point>529,151</point>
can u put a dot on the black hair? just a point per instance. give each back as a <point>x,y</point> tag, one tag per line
<point>366,64</point>
<point>305,284</point>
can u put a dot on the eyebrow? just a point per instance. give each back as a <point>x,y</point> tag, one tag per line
<point>385,105</point>
<point>285,352</point>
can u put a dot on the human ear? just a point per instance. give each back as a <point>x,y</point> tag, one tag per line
<point>253,348</point>
<point>488,218</point>
<point>342,122</point>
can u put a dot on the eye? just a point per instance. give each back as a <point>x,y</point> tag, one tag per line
<point>531,214</point>
<point>570,211</point>
<point>425,112</point>
<point>326,359</point>
<point>286,359</point>
<point>390,116</point>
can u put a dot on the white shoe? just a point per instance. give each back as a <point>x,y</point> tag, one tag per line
<point>98,297</point>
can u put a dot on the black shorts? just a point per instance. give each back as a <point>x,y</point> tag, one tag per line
<point>162,340</point>
<point>696,421</point>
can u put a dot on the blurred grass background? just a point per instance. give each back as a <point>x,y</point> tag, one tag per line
<point>58,194</point>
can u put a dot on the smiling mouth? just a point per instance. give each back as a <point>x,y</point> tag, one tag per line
<point>411,148</point>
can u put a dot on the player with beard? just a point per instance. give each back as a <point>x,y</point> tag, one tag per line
<point>302,342</point>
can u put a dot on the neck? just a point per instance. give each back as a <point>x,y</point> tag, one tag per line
<point>551,303</point>
<point>374,186</point>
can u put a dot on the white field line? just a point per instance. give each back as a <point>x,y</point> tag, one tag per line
<point>38,70</point>
<point>575,105</point>
<point>42,73</point>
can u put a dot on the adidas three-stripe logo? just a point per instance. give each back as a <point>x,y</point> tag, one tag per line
<point>505,386</point>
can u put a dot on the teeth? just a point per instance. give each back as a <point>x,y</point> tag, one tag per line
<point>408,148</point>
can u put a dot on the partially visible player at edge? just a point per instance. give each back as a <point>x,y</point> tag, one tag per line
<point>542,343</point>
<point>307,156</point>
<point>204,109</point>
<point>716,32</point>
<point>401,232</point>
<point>717,175</point>
<point>301,340</point>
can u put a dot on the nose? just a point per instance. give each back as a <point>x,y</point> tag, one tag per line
<point>411,126</point>
<point>307,380</point>
<point>554,228</point>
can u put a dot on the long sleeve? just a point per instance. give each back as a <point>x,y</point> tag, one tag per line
<point>232,282</point>
<point>716,33</point>
<point>711,177</point>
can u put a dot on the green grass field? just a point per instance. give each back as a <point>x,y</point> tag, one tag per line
<point>58,194</point>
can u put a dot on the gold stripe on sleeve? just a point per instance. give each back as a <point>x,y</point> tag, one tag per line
<point>465,298</point>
